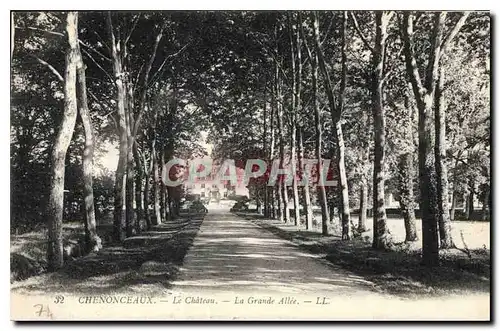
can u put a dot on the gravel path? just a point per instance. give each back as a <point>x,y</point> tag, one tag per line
<point>232,254</point>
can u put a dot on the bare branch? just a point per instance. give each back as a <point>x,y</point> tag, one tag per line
<point>145,83</point>
<point>98,65</point>
<point>60,34</point>
<point>134,24</point>
<point>432,69</point>
<point>411,62</point>
<point>55,33</point>
<point>446,43</point>
<point>93,49</point>
<point>153,79</point>
<point>51,68</point>
<point>361,35</point>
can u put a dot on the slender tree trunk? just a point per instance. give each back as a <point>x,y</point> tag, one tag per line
<point>165,196</point>
<point>363,205</point>
<point>93,242</point>
<point>156,186</point>
<point>453,204</point>
<point>299,110</point>
<point>12,34</point>
<point>129,188</point>
<point>381,235</point>
<point>55,257</point>
<point>138,189</point>
<point>281,132</point>
<point>129,197</point>
<point>307,193</point>
<point>446,240</point>
<point>279,210</point>
<point>470,201</point>
<point>293,128</point>
<point>293,164</point>
<point>321,190</point>
<point>265,155</point>
<point>485,205</point>
<point>336,111</point>
<point>121,171</point>
<point>286,210</point>
<point>147,172</point>
<point>344,190</point>
<point>325,216</point>
<point>406,201</point>
<point>270,159</point>
<point>162,192</point>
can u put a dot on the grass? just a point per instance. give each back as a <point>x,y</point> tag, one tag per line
<point>398,271</point>
<point>28,251</point>
<point>139,263</point>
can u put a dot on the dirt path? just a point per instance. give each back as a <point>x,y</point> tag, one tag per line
<point>232,254</point>
<point>233,270</point>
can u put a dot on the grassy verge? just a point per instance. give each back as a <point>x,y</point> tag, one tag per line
<point>149,257</point>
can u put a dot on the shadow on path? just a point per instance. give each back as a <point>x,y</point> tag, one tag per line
<point>398,271</point>
<point>232,254</point>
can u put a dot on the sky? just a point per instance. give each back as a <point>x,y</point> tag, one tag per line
<point>109,160</point>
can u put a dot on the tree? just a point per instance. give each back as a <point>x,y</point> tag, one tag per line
<point>336,109</point>
<point>93,241</point>
<point>65,132</point>
<point>381,235</point>
<point>424,91</point>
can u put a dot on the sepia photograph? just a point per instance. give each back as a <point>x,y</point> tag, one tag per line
<point>250,165</point>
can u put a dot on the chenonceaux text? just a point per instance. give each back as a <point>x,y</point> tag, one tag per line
<point>116,299</point>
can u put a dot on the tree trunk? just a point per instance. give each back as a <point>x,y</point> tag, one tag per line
<point>163,196</point>
<point>299,110</point>
<point>363,206</point>
<point>343,187</point>
<point>293,164</point>
<point>321,191</point>
<point>424,96</point>
<point>147,172</point>
<point>453,204</point>
<point>407,198</point>
<point>381,235</point>
<point>270,158</point>
<point>307,194</point>
<point>285,213</point>
<point>129,197</point>
<point>336,111</point>
<point>325,217</point>
<point>156,187</point>
<point>428,187</point>
<point>279,210</point>
<point>293,128</point>
<point>445,238</point>
<point>129,189</point>
<point>470,202</point>
<point>93,242</point>
<point>138,189</point>
<point>55,257</point>
<point>12,34</point>
<point>286,210</point>
<point>485,204</point>
<point>121,171</point>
